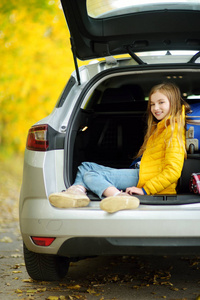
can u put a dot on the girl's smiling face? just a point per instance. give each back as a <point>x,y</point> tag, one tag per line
<point>160,105</point>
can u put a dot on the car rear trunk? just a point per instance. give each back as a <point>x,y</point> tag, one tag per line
<point>110,126</point>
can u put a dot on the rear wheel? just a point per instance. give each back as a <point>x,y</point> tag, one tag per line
<point>45,267</point>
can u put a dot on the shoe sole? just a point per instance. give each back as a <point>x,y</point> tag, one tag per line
<point>61,201</point>
<point>115,203</point>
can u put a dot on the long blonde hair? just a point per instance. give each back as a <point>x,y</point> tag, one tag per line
<point>176,113</point>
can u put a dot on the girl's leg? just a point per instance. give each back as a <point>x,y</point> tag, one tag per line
<point>100,180</point>
<point>105,181</point>
<point>87,167</point>
<point>111,191</point>
<point>75,195</point>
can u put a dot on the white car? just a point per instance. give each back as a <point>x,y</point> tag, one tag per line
<point>100,117</point>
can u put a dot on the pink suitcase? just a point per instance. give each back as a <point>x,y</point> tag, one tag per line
<point>195,183</point>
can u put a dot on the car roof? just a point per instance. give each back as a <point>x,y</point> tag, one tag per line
<point>109,34</point>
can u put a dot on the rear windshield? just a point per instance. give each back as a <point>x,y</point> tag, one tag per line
<point>108,8</point>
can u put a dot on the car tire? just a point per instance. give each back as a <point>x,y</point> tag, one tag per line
<point>45,267</point>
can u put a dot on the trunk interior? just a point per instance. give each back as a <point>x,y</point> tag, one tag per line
<point>110,127</point>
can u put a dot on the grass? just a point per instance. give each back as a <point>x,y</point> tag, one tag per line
<point>11,168</point>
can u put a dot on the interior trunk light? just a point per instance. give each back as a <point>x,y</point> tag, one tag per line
<point>84,128</point>
<point>43,241</point>
<point>37,138</point>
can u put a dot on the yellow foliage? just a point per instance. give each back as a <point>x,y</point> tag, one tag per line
<point>36,62</point>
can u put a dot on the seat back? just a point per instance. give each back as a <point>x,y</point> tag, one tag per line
<point>124,93</point>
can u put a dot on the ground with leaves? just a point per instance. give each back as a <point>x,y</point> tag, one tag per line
<point>100,278</point>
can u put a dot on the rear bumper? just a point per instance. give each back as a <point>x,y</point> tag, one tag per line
<point>129,246</point>
<point>91,231</point>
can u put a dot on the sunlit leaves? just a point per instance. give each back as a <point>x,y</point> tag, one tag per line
<point>36,62</point>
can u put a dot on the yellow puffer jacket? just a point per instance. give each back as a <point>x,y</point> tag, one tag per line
<point>161,162</point>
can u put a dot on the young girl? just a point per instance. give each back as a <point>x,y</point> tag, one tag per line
<point>162,153</point>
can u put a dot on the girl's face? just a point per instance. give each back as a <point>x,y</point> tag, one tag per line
<point>160,105</point>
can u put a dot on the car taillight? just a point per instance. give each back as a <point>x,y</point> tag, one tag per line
<point>43,241</point>
<point>37,138</point>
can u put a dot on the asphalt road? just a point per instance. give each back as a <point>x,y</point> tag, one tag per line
<point>100,278</point>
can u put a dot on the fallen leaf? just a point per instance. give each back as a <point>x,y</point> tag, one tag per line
<point>74,287</point>
<point>31,291</point>
<point>39,290</point>
<point>15,272</point>
<point>53,298</point>
<point>90,291</point>
<point>175,289</point>
<point>166,283</point>
<point>115,278</point>
<point>16,255</point>
<point>18,291</point>
<point>136,287</point>
<point>16,267</point>
<point>6,239</point>
<point>27,280</point>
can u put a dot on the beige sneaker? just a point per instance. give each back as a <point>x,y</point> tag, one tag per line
<point>119,202</point>
<point>74,196</point>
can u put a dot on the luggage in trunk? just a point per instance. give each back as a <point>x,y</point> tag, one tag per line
<point>193,129</point>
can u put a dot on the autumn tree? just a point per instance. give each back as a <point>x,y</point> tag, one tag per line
<point>36,62</point>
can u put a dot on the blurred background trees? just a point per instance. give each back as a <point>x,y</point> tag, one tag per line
<point>36,62</point>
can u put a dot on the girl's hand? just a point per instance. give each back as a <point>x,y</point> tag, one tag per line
<point>134,190</point>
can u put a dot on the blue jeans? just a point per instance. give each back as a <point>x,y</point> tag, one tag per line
<point>97,178</point>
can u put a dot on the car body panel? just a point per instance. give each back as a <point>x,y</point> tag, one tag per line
<point>175,222</point>
<point>144,31</point>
